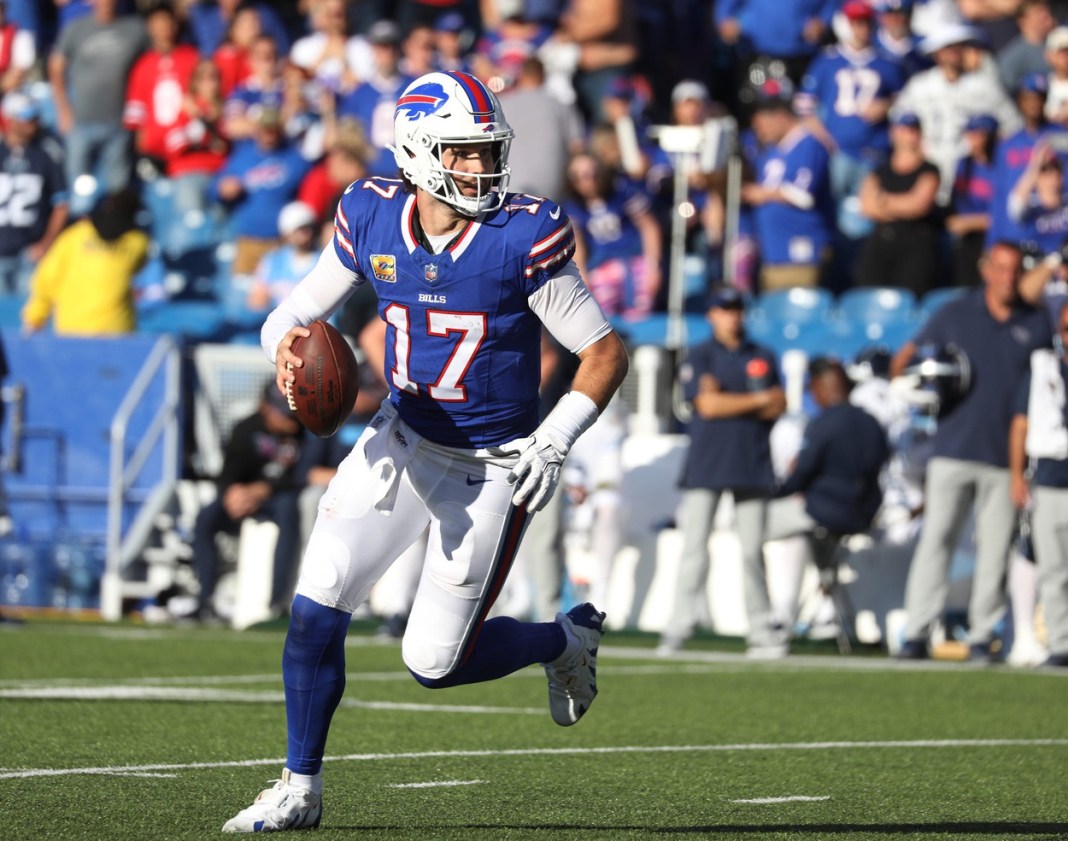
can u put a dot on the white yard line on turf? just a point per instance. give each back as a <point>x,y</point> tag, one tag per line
<point>577,751</point>
<point>793,798</point>
<point>178,693</point>
<point>439,784</point>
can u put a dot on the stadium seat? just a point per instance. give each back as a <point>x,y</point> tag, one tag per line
<point>11,312</point>
<point>876,305</point>
<point>936,297</point>
<point>800,305</point>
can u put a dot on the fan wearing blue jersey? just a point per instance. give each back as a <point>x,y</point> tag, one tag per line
<point>466,276</point>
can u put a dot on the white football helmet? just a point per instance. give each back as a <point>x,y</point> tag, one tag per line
<point>447,109</point>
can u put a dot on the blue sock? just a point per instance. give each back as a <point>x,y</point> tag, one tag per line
<point>313,670</point>
<point>504,645</point>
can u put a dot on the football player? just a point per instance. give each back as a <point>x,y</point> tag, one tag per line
<point>466,275</point>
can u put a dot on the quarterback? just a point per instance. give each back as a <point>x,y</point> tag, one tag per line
<point>466,274</point>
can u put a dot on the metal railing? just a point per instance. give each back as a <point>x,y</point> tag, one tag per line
<point>122,548</point>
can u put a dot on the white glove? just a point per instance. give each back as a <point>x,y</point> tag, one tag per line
<point>537,471</point>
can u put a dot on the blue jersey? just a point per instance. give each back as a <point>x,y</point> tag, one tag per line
<point>270,181</point>
<point>973,186</point>
<point>839,86</point>
<point>608,225</point>
<point>1013,155</point>
<point>463,357</point>
<point>775,27</point>
<point>31,184</point>
<point>788,233</point>
<point>1045,227</point>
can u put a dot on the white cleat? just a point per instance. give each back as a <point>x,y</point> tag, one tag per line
<point>276,809</point>
<point>573,675</point>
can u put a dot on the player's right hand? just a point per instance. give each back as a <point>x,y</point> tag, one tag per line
<point>285,360</point>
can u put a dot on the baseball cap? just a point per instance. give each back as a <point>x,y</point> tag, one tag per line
<point>726,298</point>
<point>294,216</point>
<point>893,5</point>
<point>857,10</point>
<point>19,106</point>
<point>450,22</point>
<point>906,119</point>
<point>773,93</point>
<point>1033,83</point>
<point>384,32</point>
<point>689,89</point>
<point>981,122</point>
<point>1057,39</point>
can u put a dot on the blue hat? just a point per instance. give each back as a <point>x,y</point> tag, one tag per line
<point>906,118</point>
<point>1033,83</point>
<point>726,298</point>
<point>450,22</point>
<point>892,5</point>
<point>981,122</point>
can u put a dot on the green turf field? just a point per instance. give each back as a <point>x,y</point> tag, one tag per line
<point>132,732</point>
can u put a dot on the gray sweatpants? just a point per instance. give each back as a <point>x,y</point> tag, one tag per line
<point>1049,529</point>
<point>696,519</point>
<point>952,487</point>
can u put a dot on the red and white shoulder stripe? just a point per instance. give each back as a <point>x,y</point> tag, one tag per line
<point>552,251</point>
<point>342,234</point>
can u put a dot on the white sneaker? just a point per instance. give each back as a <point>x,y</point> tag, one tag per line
<point>281,807</point>
<point>573,675</point>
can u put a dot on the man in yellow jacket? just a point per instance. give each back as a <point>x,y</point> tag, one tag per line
<point>85,280</point>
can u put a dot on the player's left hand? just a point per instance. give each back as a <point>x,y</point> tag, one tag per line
<point>537,472</point>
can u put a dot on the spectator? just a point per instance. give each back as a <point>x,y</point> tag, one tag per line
<point>899,197</point>
<point>606,34</point>
<point>547,133</point>
<point>790,195</point>
<point>88,70</point>
<point>733,387</point>
<point>973,193</point>
<point>844,100</point>
<point>1014,153</point>
<point>1057,58</point>
<point>84,283</point>
<point>836,474</point>
<point>263,88</point>
<point>257,181</point>
<point>944,96</point>
<point>157,85</point>
<point>196,148</point>
<point>418,51</point>
<point>1039,432</point>
<point>283,268</point>
<point>18,52</point>
<point>508,39</point>
<point>894,35</point>
<point>618,241</point>
<point>211,21</point>
<point>31,164</point>
<point>374,100</point>
<point>266,464</point>
<point>345,162</point>
<point>1026,53</point>
<point>232,55</point>
<point>1037,202</point>
<point>997,333</point>
<point>329,54</point>
<point>450,41</point>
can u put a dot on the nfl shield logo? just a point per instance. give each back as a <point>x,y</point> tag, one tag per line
<point>430,272</point>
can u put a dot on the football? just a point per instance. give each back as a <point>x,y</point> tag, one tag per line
<point>325,389</point>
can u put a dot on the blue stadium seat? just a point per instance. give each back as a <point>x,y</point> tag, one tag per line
<point>936,297</point>
<point>10,312</point>
<point>653,329</point>
<point>876,305</point>
<point>800,305</point>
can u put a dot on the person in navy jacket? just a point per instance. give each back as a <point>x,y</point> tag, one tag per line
<point>734,389</point>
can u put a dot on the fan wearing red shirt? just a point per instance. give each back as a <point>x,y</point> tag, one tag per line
<point>158,82</point>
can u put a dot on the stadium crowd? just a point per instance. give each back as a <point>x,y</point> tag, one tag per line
<point>883,143</point>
